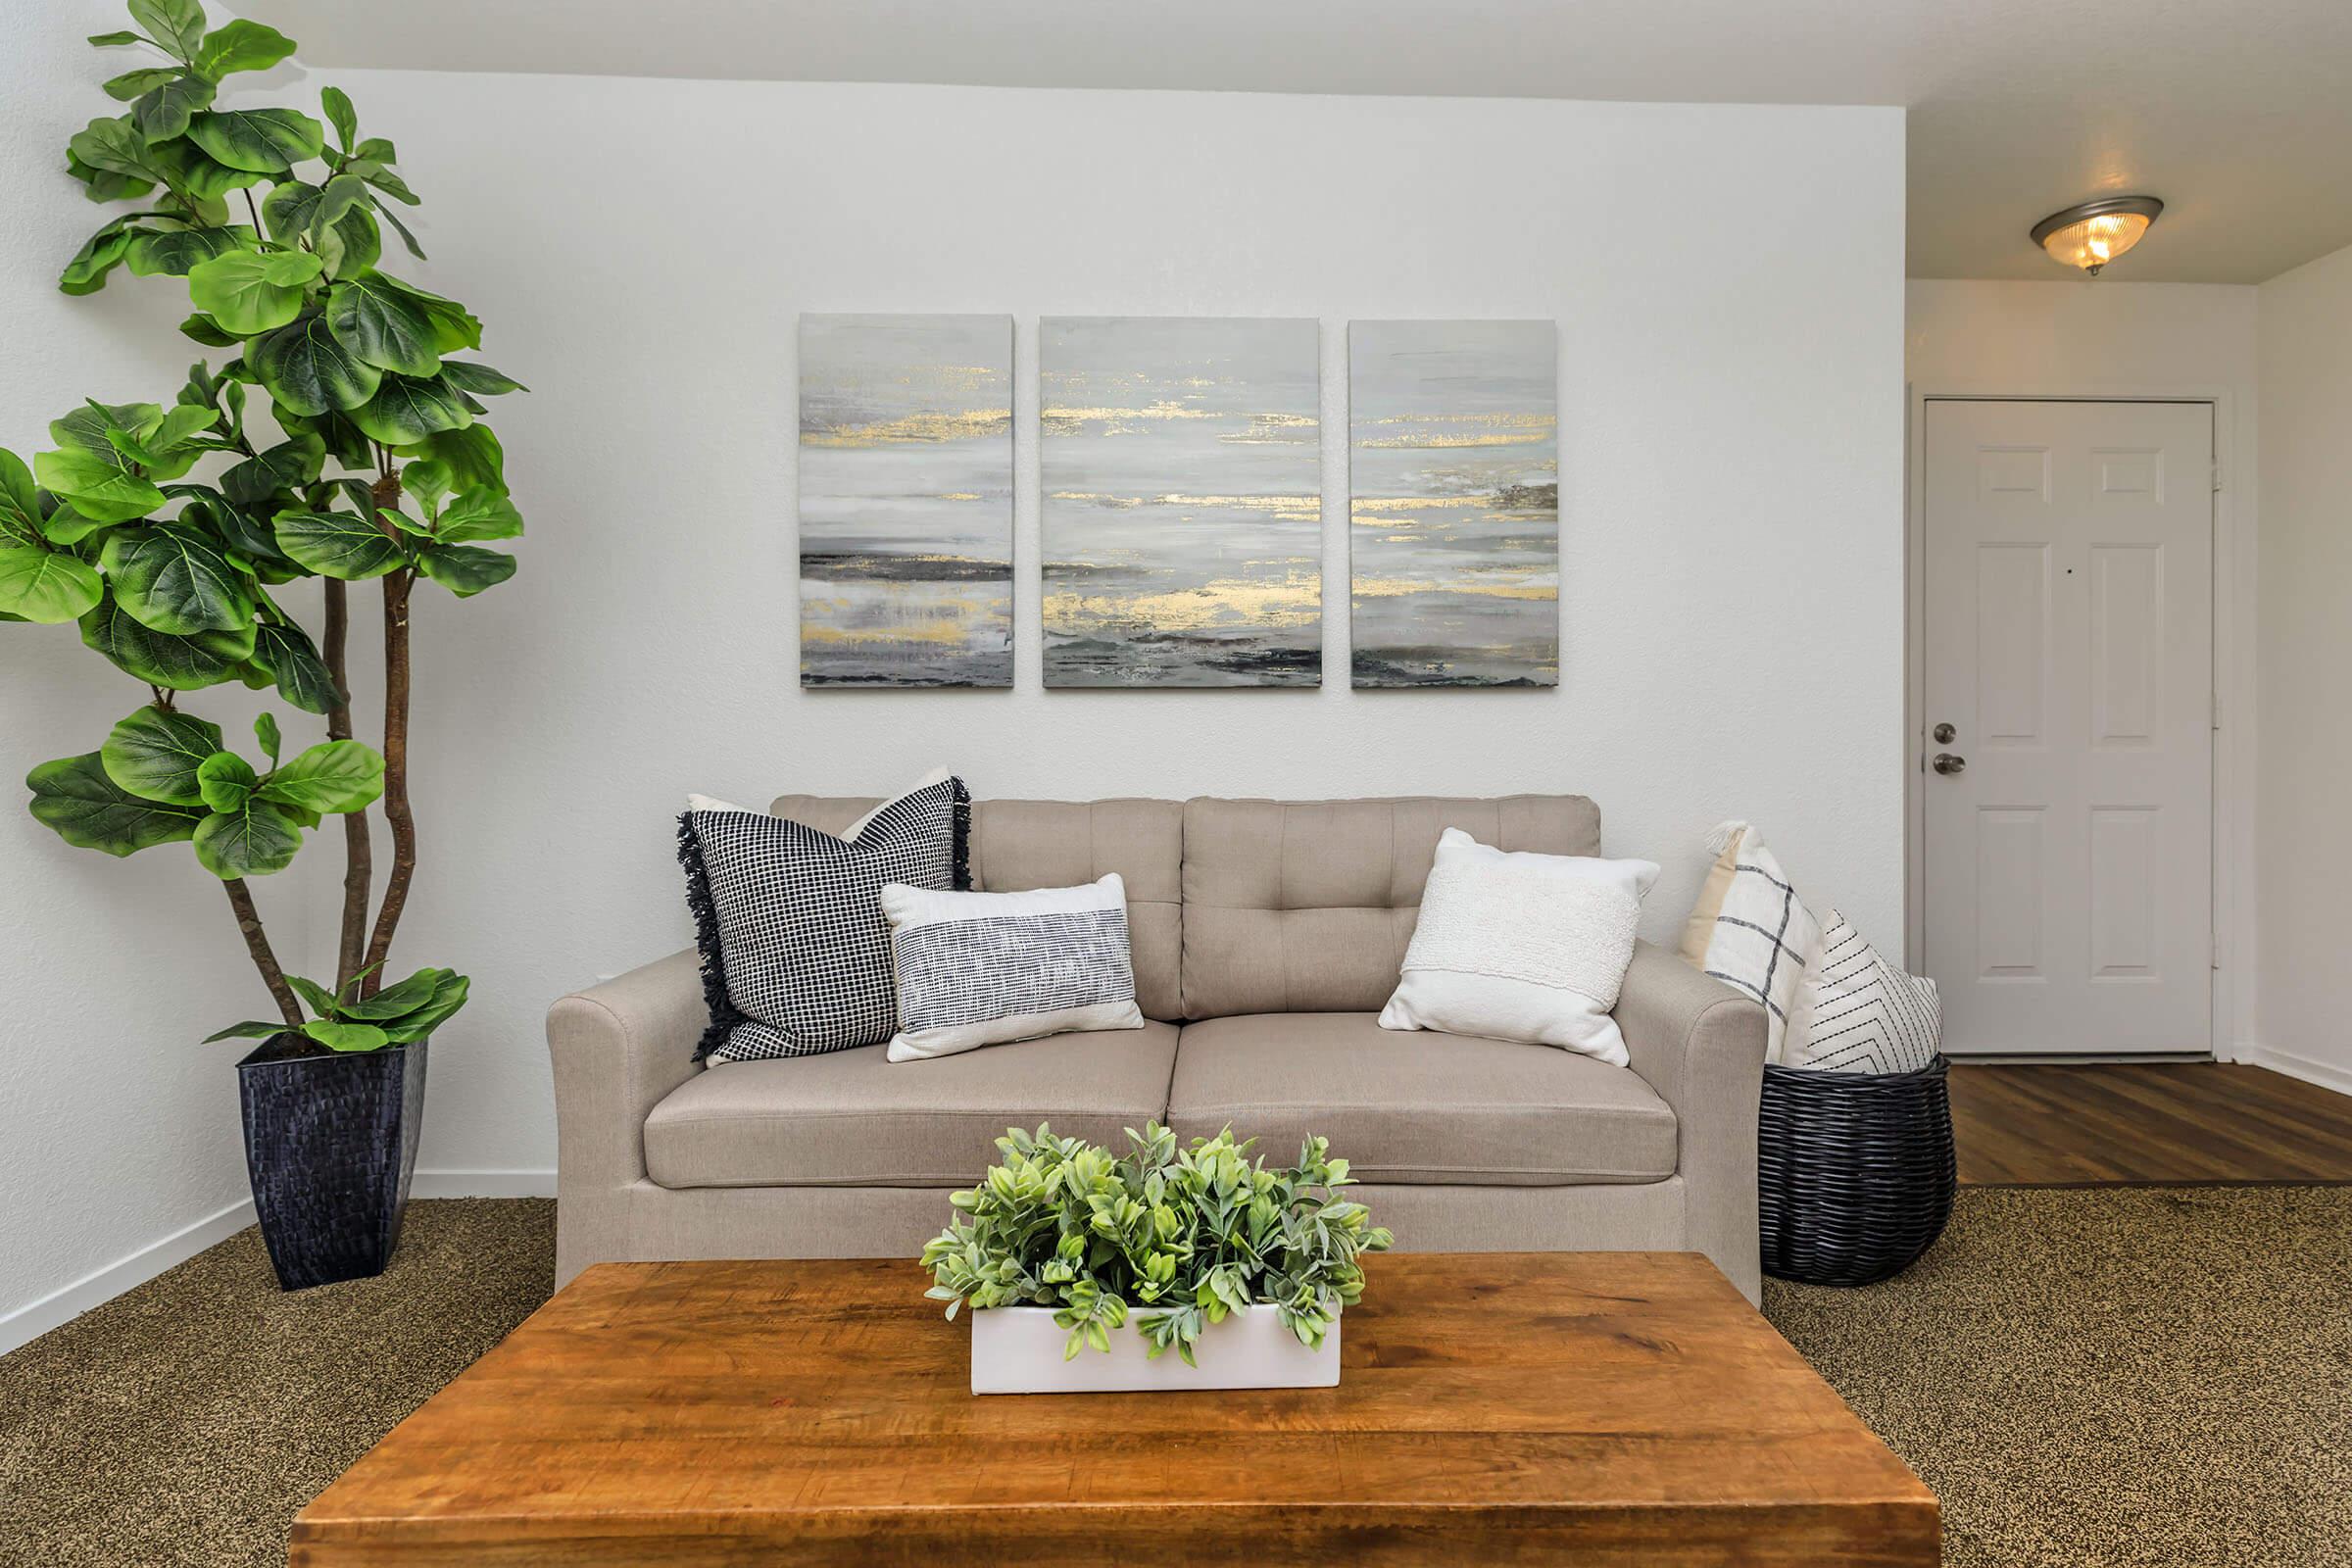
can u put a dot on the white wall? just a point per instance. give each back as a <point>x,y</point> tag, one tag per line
<point>2099,337</point>
<point>117,1129</point>
<point>2306,666</point>
<point>1728,286</point>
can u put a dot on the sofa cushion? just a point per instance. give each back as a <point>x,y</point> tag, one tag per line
<point>1419,1107</point>
<point>1307,906</point>
<point>852,1118</point>
<point>1020,845</point>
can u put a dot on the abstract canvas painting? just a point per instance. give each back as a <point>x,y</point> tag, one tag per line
<point>1181,461</point>
<point>906,501</point>
<point>1454,504</point>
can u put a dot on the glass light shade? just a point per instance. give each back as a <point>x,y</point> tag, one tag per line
<point>2091,235</point>
<point>2095,241</point>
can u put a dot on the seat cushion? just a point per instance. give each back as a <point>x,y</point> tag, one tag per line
<point>853,1118</point>
<point>1420,1107</point>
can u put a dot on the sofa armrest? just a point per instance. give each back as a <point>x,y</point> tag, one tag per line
<point>619,1050</point>
<point>1700,1045</point>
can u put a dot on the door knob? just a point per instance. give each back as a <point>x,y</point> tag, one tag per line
<point>1947,762</point>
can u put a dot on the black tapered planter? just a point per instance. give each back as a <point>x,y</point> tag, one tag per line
<point>331,1142</point>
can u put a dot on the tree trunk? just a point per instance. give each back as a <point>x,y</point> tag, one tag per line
<point>257,943</point>
<point>395,775</point>
<point>359,854</point>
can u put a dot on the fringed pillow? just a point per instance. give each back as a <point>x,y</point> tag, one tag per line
<point>796,950</point>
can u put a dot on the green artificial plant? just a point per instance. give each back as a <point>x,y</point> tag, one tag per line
<point>1183,1235</point>
<point>339,441</point>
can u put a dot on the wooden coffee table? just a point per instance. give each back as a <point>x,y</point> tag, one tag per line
<point>1613,1408</point>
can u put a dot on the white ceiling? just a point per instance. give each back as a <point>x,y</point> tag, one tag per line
<point>2236,112</point>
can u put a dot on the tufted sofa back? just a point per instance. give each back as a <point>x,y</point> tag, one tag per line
<point>1238,906</point>
<point>1307,906</point>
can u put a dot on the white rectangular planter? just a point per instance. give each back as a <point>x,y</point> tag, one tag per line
<point>1019,1349</point>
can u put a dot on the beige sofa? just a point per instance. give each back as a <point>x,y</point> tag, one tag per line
<point>1266,934</point>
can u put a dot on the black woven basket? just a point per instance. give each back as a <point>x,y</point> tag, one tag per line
<point>1854,1172</point>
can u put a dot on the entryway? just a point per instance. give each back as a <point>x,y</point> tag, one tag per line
<point>2066,636</point>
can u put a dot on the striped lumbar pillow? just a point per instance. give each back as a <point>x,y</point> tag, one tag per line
<point>981,969</point>
<point>1856,1012</point>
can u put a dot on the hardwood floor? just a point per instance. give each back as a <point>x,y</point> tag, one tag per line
<point>2206,1121</point>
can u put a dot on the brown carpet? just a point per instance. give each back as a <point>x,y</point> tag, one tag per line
<point>2089,1377</point>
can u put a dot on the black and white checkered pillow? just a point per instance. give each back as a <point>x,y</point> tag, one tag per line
<point>795,953</point>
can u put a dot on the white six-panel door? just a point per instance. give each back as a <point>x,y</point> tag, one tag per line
<point>2068,642</point>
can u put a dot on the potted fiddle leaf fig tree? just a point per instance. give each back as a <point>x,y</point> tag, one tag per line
<point>335,436</point>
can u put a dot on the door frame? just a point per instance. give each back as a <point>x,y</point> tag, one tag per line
<point>2230,1027</point>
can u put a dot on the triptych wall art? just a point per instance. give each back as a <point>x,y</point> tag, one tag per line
<point>1181,467</point>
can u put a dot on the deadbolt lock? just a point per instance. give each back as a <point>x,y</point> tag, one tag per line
<point>1944,734</point>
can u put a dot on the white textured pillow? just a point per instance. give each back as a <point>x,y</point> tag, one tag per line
<point>1522,946</point>
<point>1856,1012</point>
<point>1760,936</point>
<point>981,969</point>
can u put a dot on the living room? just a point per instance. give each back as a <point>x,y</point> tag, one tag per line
<point>1876,549</point>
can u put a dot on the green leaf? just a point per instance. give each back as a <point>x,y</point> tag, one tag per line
<point>468,375</point>
<point>290,659</point>
<point>449,994</point>
<point>350,1038</point>
<point>251,1029</point>
<point>114,40</point>
<point>475,460</point>
<point>416,992</point>
<point>401,229</point>
<point>19,503</point>
<point>76,799</point>
<point>132,84</point>
<point>384,179</point>
<point>352,244</point>
<point>176,24</point>
<point>265,730</point>
<point>186,167</point>
<point>179,664</point>
<point>99,255</point>
<point>288,465</point>
<point>479,515</point>
<point>165,111</point>
<point>102,491</point>
<point>382,326</point>
<point>338,544</point>
<point>87,426</point>
<point>455,327</point>
<point>290,209</point>
<point>172,253</point>
<point>248,292</point>
<point>258,841</point>
<point>225,781</point>
<point>65,527</point>
<point>267,141</point>
<point>331,778</point>
<point>46,586</point>
<point>156,754</point>
<point>338,196</point>
<point>464,569</point>
<point>113,145</point>
<point>427,482</point>
<point>309,371</point>
<point>406,410</point>
<point>339,114</point>
<point>319,999</point>
<point>241,46</point>
<point>377,150</point>
<point>174,580</point>
<point>182,423</point>
<point>207,331</point>
<point>290,268</point>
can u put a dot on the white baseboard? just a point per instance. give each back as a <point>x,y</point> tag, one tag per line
<point>95,1289</point>
<point>2325,1074</point>
<point>483,1184</point>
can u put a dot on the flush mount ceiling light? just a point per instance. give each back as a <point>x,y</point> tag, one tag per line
<point>2091,235</point>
